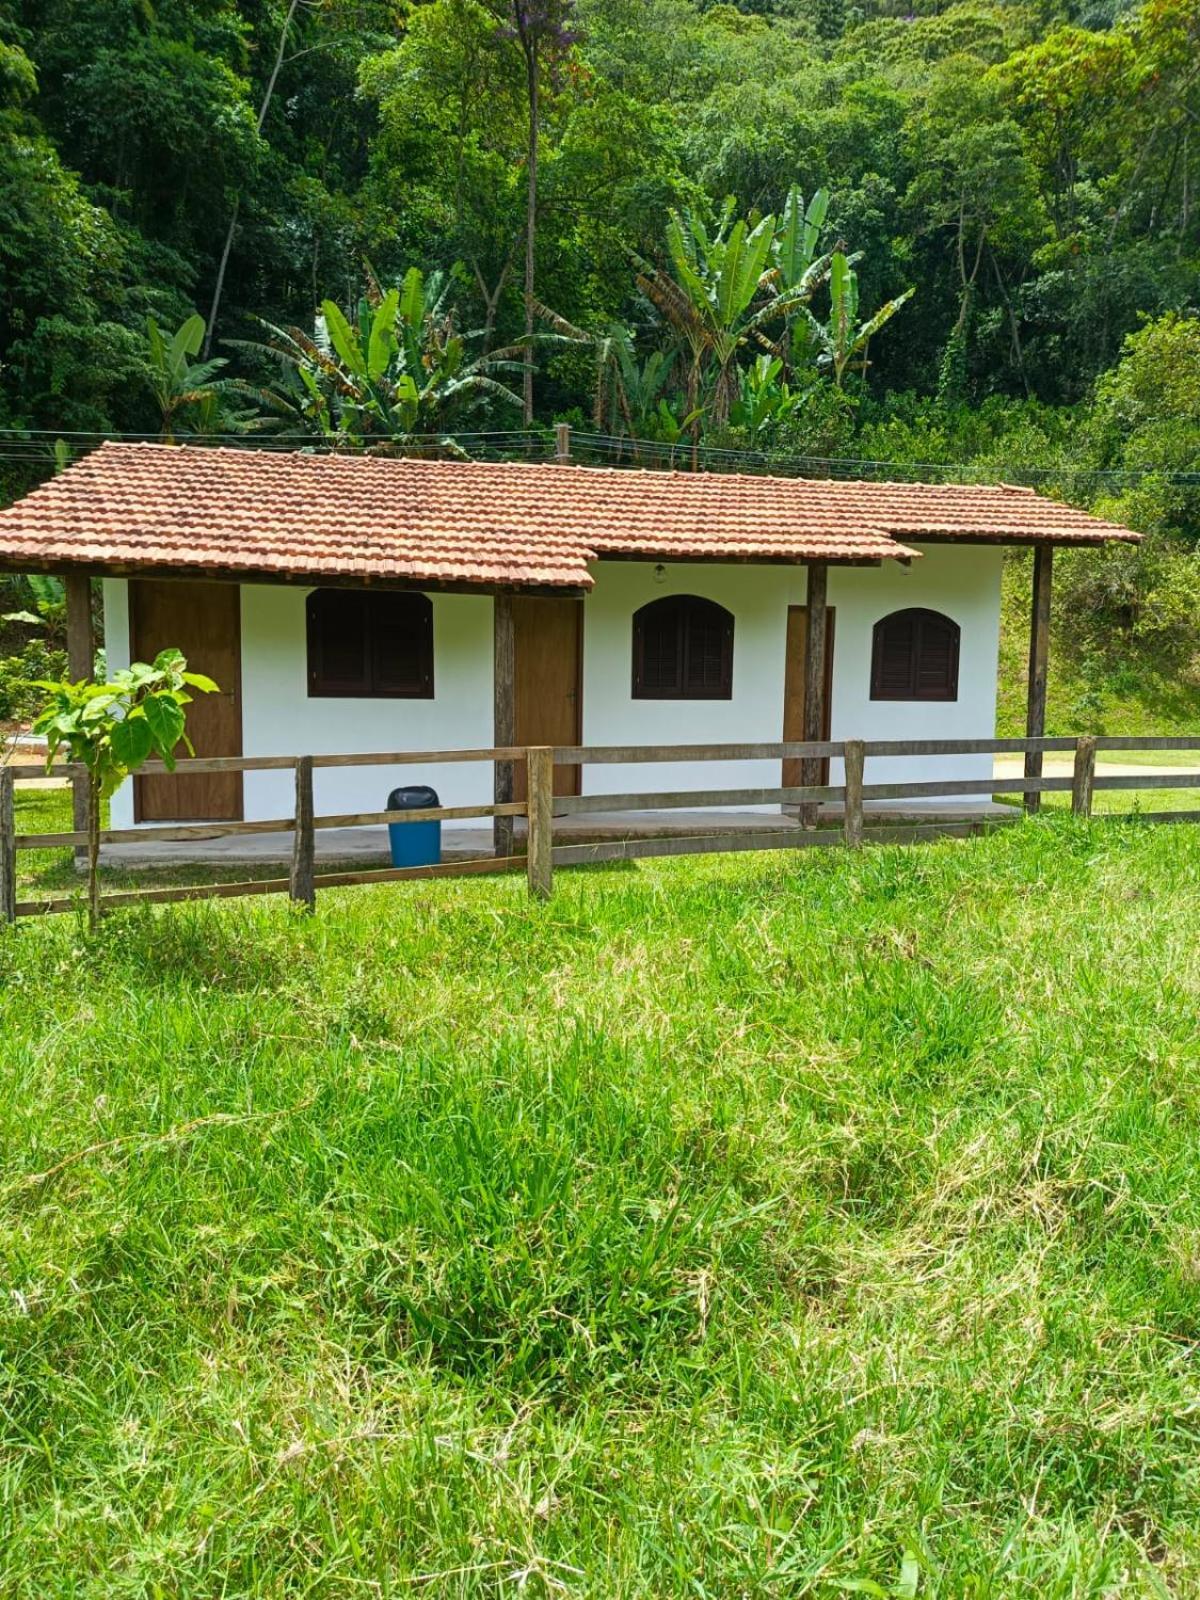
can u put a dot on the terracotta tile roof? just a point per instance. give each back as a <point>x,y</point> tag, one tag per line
<point>157,507</point>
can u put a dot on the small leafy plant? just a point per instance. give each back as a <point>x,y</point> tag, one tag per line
<point>49,598</point>
<point>112,728</point>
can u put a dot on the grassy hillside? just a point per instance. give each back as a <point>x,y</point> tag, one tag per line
<point>1112,691</point>
<point>739,1227</point>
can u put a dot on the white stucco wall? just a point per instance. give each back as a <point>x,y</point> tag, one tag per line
<point>758,598</point>
<point>961,581</point>
<point>278,718</point>
<point>116,656</point>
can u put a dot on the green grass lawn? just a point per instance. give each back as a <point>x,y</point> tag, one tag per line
<point>749,1226</point>
<point>51,872</point>
<point>1120,803</point>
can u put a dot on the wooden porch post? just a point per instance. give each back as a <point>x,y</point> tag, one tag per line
<point>81,660</point>
<point>1039,655</point>
<point>504,731</point>
<point>814,678</point>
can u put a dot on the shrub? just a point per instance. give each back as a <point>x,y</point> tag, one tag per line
<point>19,699</point>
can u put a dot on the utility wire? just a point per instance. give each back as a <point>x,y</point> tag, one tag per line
<point>36,446</point>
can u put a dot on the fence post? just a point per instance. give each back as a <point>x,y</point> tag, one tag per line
<point>8,848</point>
<point>1085,773</point>
<point>853,814</point>
<point>302,888</point>
<point>540,808</point>
<point>562,442</point>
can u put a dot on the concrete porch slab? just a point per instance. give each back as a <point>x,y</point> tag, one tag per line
<point>369,846</point>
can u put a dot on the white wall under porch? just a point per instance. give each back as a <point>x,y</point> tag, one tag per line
<point>278,717</point>
<point>962,581</point>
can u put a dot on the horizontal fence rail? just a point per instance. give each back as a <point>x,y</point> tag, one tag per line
<point>602,755</point>
<point>543,852</point>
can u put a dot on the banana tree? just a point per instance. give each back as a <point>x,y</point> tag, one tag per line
<point>187,392</point>
<point>50,600</point>
<point>399,368</point>
<point>765,398</point>
<point>667,425</point>
<point>628,391</point>
<point>794,247</point>
<point>720,292</point>
<point>793,252</point>
<point>842,341</point>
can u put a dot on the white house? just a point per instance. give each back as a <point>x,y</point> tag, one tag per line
<point>366,603</point>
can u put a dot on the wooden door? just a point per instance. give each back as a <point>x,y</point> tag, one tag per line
<point>547,681</point>
<point>793,688</point>
<point>204,621</point>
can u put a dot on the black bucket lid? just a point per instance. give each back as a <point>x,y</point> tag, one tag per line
<point>418,797</point>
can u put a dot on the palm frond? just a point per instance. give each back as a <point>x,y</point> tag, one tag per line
<point>561,326</point>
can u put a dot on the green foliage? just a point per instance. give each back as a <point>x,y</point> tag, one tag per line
<point>765,400</point>
<point>1033,180</point>
<point>111,728</point>
<point>19,672</point>
<point>842,341</point>
<point>186,392</point>
<point>723,291</point>
<point>629,392</point>
<point>1147,412</point>
<point>401,369</point>
<point>49,596</point>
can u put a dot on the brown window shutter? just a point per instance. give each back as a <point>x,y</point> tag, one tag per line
<point>658,648</point>
<point>338,662</point>
<point>369,644</point>
<point>914,656</point>
<point>682,650</point>
<point>402,645</point>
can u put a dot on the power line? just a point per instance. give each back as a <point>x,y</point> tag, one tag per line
<point>36,446</point>
<point>682,455</point>
<point>255,439</point>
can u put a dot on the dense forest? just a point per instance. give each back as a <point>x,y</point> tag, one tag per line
<point>964,236</point>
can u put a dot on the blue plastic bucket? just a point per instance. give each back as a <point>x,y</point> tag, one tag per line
<point>414,844</point>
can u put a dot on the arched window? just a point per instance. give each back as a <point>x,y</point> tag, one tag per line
<point>914,656</point>
<point>370,644</point>
<point>682,650</point>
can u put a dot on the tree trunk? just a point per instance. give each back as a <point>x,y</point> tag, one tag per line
<point>531,65</point>
<point>1014,326</point>
<point>219,286</point>
<point>491,299</point>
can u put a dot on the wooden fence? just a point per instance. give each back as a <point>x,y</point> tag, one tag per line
<point>543,854</point>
